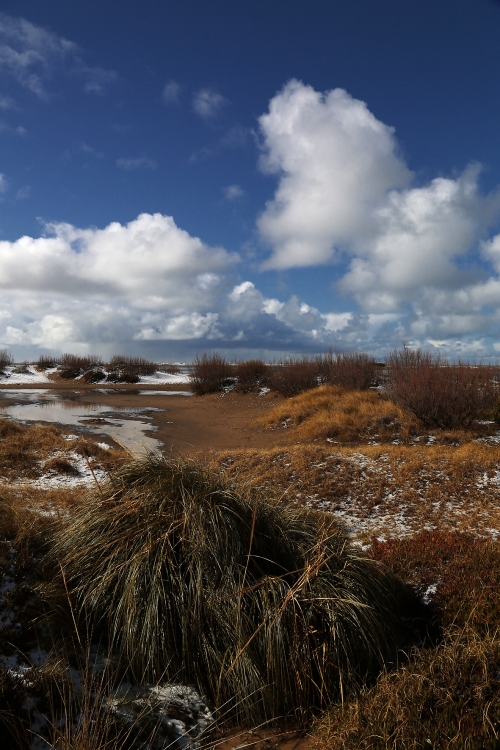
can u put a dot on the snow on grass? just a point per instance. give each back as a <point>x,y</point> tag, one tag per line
<point>24,375</point>
<point>385,492</point>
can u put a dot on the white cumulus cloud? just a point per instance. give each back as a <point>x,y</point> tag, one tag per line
<point>418,258</point>
<point>336,163</point>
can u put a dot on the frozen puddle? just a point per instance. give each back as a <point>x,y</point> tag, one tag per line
<point>120,423</point>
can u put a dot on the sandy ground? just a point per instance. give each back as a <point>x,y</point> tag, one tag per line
<point>188,424</point>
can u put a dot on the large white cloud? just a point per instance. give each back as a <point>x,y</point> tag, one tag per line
<point>141,284</point>
<point>419,253</point>
<point>336,163</point>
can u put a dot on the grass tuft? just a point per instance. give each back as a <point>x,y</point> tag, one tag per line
<point>265,607</point>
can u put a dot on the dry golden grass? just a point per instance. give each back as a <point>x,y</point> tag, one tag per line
<point>383,490</point>
<point>445,698</point>
<point>28,516</point>
<point>22,448</point>
<point>342,415</point>
<point>28,451</point>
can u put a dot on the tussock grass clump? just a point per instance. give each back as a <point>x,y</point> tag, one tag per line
<point>448,697</point>
<point>442,395</point>
<point>342,415</point>
<point>210,374</point>
<point>265,607</point>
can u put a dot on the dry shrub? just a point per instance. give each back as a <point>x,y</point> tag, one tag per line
<point>252,374</point>
<point>352,370</point>
<point>94,376</point>
<point>211,373</point>
<point>448,697</point>
<point>439,394</point>
<point>123,376</point>
<point>265,607</point>
<point>170,369</point>
<point>129,364</point>
<point>346,416</point>
<point>72,365</point>
<point>290,377</point>
<point>5,359</point>
<point>45,362</point>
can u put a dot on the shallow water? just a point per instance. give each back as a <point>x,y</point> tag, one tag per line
<point>126,425</point>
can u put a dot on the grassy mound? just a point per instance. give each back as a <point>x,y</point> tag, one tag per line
<point>265,607</point>
<point>341,415</point>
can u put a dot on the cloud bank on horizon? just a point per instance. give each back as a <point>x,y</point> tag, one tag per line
<point>420,262</point>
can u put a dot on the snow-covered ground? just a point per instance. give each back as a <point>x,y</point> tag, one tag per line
<point>30,375</point>
<point>25,375</point>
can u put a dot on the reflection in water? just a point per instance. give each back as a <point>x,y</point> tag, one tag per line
<point>165,393</point>
<point>69,411</point>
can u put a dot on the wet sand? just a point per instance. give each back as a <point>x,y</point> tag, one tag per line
<point>194,424</point>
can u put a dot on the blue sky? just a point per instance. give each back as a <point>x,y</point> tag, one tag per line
<point>259,178</point>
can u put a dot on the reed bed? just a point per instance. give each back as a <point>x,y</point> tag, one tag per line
<point>263,605</point>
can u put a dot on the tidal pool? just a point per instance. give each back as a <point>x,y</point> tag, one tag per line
<point>126,425</point>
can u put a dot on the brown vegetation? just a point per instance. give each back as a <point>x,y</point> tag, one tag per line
<point>264,605</point>
<point>442,395</point>
<point>210,374</point>
<point>386,490</point>
<point>342,415</point>
<point>252,374</point>
<point>5,359</point>
<point>447,696</point>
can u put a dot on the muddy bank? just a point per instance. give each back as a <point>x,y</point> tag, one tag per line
<point>182,424</point>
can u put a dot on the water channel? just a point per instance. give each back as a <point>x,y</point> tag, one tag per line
<point>129,426</point>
